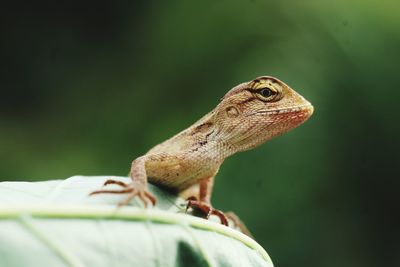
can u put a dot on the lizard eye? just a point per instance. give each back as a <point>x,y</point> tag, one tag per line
<point>266,92</point>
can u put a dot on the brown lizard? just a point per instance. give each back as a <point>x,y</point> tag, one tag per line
<point>247,116</point>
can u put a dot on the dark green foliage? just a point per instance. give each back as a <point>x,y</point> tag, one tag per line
<point>187,256</point>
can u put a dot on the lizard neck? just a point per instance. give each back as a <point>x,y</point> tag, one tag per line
<point>209,140</point>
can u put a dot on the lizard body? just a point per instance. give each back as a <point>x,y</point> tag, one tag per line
<point>247,116</point>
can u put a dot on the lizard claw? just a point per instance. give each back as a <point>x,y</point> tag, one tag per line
<point>133,190</point>
<point>206,209</point>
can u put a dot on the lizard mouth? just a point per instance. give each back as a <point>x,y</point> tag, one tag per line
<point>308,108</point>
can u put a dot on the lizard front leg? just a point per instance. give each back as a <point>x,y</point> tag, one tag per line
<point>138,186</point>
<point>164,169</point>
<point>203,203</point>
<point>204,190</point>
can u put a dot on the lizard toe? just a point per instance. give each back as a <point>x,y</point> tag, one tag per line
<point>206,209</point>
<point>112,181</point>
<point>222,217</point>
<point>121,191</point>
<point>128,199</point>
<point>150,197</point>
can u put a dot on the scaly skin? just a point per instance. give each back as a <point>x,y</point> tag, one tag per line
<point>247,116</point>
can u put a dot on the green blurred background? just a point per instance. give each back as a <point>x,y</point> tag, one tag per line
<point>87,86</point>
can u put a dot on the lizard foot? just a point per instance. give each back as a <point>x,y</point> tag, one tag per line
<point>206,209</point>
<point>132,189</point>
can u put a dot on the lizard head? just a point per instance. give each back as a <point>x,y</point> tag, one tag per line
<point>256,111</point>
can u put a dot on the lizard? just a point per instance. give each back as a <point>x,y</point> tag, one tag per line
<point>249,114</point>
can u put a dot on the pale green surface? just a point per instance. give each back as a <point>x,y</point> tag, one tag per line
<point>55,223</point>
